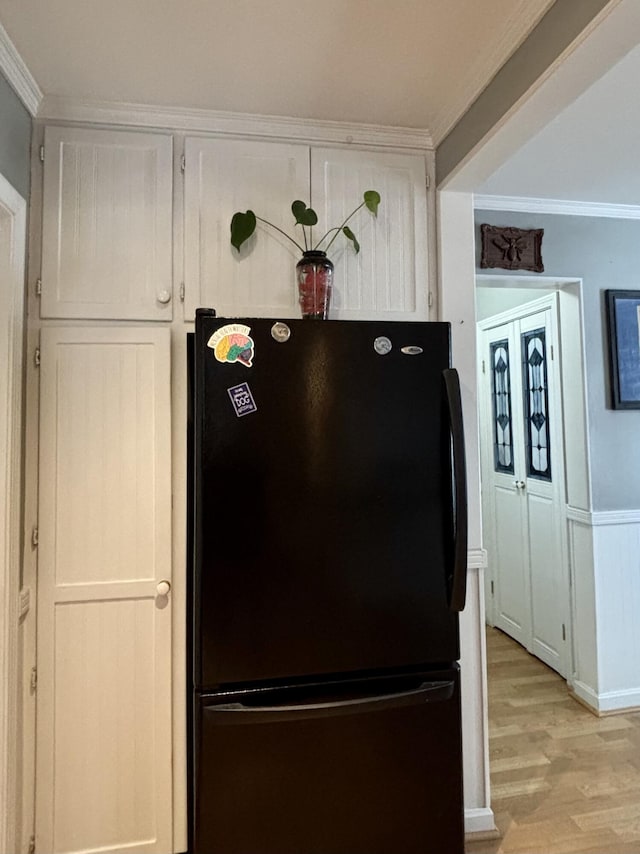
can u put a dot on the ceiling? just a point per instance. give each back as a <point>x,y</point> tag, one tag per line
<point>590,152</point>
<point>406,63</point>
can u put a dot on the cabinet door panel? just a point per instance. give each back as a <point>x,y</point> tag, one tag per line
<point>104,635</point>
<point>225,176</point>
<point>389,277</point>
<point>107,225</point>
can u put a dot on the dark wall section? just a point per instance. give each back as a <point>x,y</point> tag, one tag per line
<point>15,139</point>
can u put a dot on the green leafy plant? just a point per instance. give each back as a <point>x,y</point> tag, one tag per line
<point>244,224</point>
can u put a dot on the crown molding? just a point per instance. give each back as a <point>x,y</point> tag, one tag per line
<point>192,120</point>
<point>18,75</point>
<point>555,206</point>
<point>480,72</point>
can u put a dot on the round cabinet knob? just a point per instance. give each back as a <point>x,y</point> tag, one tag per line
<point>164,297</point>
<point>163,588</point>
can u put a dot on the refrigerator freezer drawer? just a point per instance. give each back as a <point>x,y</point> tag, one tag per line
<point>367,768</point>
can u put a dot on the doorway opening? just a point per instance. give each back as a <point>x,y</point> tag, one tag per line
<point>533,453</point>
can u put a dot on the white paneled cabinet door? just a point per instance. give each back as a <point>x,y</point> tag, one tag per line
<point>388,279</point>
<point>104,779</point>
<point>107,225</point>
<point>225,176</point>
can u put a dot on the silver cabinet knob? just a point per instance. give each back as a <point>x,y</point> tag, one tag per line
<point>164,297</point>
<point>519,484</point>
<point>163,588</point>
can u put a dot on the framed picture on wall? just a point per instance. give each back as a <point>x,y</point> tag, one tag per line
<point>623,321</point>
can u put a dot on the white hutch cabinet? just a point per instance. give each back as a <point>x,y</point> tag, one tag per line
<point>125,225</point>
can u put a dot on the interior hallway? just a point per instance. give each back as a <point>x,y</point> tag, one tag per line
<point>562,779</point>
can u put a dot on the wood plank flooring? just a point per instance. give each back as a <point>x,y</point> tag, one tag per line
<point>562,779</point>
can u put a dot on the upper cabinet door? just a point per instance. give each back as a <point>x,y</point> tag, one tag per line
<point>107,225</point>
<point>389,277</point>
<point>225,176</point>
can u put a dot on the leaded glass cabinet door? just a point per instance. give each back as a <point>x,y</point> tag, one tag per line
<point>523,479</point>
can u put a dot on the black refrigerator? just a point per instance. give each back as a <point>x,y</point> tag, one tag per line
<point>329,567</point>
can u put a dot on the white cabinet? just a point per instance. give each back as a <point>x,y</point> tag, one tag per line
<point>107,225</point>
<point>225,176</point>
<point>387,279</point>
<point>104,742</point>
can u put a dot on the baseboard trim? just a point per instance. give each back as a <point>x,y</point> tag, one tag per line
<point>480,821</point>
<point>611,703</point>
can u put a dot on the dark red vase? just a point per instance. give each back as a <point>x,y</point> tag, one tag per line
<point>314,273</point>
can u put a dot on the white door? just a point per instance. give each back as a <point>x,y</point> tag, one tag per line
<point>223,176</point>
<point>107,224</point>
<point>104,780</point>
<point>523,476</point>
<point>389,278</point>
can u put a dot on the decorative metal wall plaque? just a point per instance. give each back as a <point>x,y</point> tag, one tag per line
<point>512,248</point>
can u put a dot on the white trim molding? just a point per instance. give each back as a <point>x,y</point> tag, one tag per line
<point>525,204</point>
<point>18,75</point>
<point>191,120</point>
<point>480,821</point>
<point>13,211</point>
<point>596,518</point>
<point>477,559</point>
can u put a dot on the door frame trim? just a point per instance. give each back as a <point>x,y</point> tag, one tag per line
<point>14,206</point>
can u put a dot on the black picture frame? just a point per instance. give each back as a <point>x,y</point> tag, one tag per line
<point>623,323</point>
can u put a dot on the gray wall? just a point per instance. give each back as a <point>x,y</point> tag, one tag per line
<point>15,139</point>
<point>604,253</point>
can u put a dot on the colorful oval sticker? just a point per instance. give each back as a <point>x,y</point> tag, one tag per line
<point>232,344</point>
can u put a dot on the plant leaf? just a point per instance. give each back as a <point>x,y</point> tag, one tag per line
<point>372,200</point>
<point>242,227</point>
<point>348,233</point>
<point>303,214</point>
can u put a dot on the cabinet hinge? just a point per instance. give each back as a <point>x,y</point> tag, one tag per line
<point>430,300</point>
<point>552,352</point>
<point>181,291</point>
<point>428,181</point>
<point>36,357</point>
<point>183,163</point>
<point>38,287</point>
<point>32,844</point>
<point>34,536</point>
<point>492,592</point>
<point>484,367</point>
<point>564,633</point>
<point>42,153</point>
<point>24,603</point>
<point>34,680</point>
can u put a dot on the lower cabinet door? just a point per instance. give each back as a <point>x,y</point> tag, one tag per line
<point>104,745</point>
<point>367,767</point>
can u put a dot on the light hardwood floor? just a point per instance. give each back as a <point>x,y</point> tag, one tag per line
<point>562,779</point>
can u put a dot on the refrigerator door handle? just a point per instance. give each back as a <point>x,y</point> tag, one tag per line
<point>458,572</point>
<point>427,692</point>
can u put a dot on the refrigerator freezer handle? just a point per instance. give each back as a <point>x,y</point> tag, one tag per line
<point>459,556</point>
<point>427,692</point>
